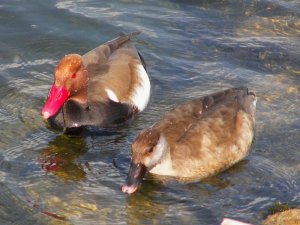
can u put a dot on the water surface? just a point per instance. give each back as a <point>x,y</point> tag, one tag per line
<point>191,48</point>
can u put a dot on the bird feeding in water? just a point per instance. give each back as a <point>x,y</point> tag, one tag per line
<point>106,86</point>
<point>196,139</point>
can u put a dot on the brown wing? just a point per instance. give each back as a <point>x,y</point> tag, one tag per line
<point>179,120</point>
<point>112,66</point>
<point>102,53</point>
<point>220,136</point>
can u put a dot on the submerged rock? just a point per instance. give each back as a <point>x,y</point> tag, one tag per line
<point>290,217</point>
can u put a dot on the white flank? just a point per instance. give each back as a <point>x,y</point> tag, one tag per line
<point>254,103</point>
<point>111,95</point>
<point>141,94</point>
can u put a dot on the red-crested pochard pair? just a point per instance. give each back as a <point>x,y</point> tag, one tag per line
<point>196,139</point>
<point>106,86</point>
<point>109,85</point>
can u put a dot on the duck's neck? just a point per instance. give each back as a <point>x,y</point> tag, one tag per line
<point>164,167</point>
<point>81,96</point>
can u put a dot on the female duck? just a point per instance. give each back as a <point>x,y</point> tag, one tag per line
<point>196,139</point>
<point>106,86</point>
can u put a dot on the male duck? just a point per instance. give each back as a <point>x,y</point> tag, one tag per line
<point>106,86</point>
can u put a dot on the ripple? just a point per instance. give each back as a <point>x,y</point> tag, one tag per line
<point>106,12</point>
<point>37,62</point>
<point>30,142</point>
<point>192,48</point>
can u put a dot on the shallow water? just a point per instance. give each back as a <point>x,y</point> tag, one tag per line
<point>191,48</point>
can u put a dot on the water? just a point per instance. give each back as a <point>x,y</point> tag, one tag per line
<point>191,48</point>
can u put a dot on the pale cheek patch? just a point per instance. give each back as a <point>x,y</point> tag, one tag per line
<point>158,153</point>
<point>111,95</point>
<point>141,92</point>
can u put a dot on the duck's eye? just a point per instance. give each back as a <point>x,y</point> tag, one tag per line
<point>150,150</point>
<point>73,75</point>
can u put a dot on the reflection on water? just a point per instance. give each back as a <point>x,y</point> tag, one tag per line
<point>151,211</point>
<point>191,48</point>
<point>60,155</point>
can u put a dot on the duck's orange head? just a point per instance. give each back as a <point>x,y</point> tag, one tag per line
<point>70,78</point>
